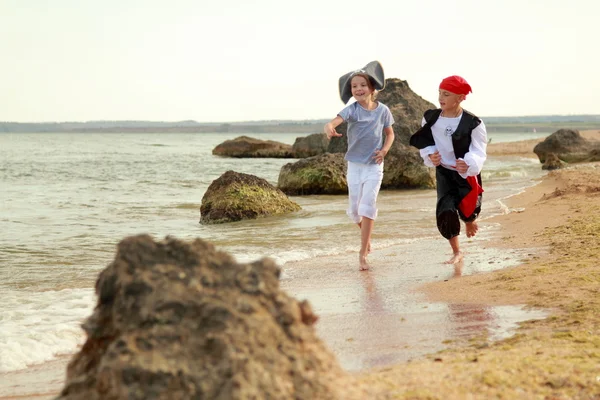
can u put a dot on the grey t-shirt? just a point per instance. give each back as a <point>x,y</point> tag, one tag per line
<point>365,131</point>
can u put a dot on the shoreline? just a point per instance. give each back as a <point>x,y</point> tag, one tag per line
<point>561,194</point>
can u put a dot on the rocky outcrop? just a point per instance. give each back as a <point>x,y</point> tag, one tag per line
<point>552,162</point>
<point>326,174</point>
<point>180,320</point>
<point>311,145</point>
<point>323,174</point>
<point>235,196</point>
<point>406,106</point>
<point>247,147</point>
<point>569,146</point>
<point>403,168</point>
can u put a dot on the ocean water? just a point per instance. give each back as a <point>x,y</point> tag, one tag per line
<point>67,199</point>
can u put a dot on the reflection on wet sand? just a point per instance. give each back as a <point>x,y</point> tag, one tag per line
<point>376,318</point>
<point>375,323</point>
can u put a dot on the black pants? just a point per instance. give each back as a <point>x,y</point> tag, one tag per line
<point>451,189</point>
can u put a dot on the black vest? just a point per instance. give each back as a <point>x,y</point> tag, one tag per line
<point>461,138</point>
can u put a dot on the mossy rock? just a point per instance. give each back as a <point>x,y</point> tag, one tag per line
<point>235,196</point>
<point>322,174</point>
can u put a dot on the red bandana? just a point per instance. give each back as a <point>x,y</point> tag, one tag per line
<point>456,84</point>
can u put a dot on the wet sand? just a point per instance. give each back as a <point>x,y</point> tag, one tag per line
<point>368,319</point>
<point>39,382</point>
<point>380,318</point>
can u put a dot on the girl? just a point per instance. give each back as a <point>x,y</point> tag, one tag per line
<point>454,141</point>
<point>368,122</point>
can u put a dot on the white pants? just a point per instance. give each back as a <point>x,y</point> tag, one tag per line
<point>364,181</point>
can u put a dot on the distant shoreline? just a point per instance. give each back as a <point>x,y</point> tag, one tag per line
<point>494,124</point>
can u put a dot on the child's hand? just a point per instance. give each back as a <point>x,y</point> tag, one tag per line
<point>461,166</point>
<point>330,131</point>
<point>435,158</point>
<point>379,156</point>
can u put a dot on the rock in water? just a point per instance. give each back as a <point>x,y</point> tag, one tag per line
<point>235,196</point>
<point>311,145</point>
<point>248,147</point>
<point>322,174</point>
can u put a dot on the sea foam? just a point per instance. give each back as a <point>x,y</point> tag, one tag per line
<point>38,326</point>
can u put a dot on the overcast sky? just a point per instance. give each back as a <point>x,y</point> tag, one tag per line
<point>240,60</point>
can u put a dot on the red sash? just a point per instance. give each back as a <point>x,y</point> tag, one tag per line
<point>469,202</point>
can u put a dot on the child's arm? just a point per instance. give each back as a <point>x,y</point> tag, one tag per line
<point>329,128</point>
<point>472,163</point>
<point>431,156</point>
<point>389,139</point>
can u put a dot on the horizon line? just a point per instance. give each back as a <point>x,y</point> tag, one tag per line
<point>261,120</point>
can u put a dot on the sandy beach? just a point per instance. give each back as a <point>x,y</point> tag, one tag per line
<point>558,222</point>
<point>552,358</point>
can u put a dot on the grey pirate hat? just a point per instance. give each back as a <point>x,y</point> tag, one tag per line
<point>373,69</point>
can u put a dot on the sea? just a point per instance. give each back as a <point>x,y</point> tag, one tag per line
<point>67,199</point>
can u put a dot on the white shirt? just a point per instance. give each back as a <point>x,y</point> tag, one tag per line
<point>442,132</point>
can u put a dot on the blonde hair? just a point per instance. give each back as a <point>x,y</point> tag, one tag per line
<point>369,84</point>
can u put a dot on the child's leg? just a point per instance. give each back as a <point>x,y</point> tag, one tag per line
<point>447,218</point>
<point>457,255</point>
<point>354,192</point>
<point>448,224</point>
<point>369,245</point>
<point>367,209</point>
<point>366,229</point>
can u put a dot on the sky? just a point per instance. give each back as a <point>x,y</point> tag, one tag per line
<point>242,60</point>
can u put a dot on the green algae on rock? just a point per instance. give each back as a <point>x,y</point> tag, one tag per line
<point>236,196</point>
<point>322,174</point>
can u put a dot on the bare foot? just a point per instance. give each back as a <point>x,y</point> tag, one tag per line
<point>456,258</point>
<point>364,264</point>
<point>472,228</point>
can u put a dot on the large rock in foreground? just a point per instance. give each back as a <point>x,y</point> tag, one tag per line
<point>235,196</point>
<point>247,147</point>
<point>179,320</point>
<point>569,146</point>
<point>323,174</point>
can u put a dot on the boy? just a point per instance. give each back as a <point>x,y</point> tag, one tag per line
<point>454,141</point>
